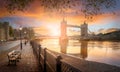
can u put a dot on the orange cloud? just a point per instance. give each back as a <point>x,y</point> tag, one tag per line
<point>53,19</point>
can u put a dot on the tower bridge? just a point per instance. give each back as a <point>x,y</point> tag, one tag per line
<point>83,28</point>
<point>73,26</point>
<point>63,40</point>
<point>63,30</point>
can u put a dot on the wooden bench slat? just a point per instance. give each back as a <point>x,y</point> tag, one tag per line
<point>14,56</point>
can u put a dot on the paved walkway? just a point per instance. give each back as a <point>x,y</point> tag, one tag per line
<point>28,63</point>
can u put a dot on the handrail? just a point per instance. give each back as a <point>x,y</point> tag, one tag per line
<point>68,68</point>
<point>59,66</point>
<point>51,53</point>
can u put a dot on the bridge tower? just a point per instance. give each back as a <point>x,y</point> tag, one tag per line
<point>63,36</point>
<point>84,30</point>
<point>64,29</point>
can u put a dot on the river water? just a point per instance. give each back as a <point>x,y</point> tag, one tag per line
<point>98,51</point>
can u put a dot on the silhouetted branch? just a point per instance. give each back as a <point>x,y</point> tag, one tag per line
<point>87,7</point>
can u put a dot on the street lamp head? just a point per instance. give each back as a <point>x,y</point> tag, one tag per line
<point>25,32</point>
<point>20,28</point>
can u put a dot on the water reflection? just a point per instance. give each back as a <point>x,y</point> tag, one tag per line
<point>99,51</point>
<point>63,46</point>
<point>84,50</point>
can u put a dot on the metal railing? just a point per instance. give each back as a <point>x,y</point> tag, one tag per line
<point>50,62</point>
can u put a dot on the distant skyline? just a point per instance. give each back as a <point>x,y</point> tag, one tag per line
<point>36,17</point>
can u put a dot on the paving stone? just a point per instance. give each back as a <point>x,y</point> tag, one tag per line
<point>28,62</point>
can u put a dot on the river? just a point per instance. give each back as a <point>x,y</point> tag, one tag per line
<point>99,51</point>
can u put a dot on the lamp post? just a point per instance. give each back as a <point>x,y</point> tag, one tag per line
<point>25,38</point>
<point>20,38</point>
<point>25,34</point>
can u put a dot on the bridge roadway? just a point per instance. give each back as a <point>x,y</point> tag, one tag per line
<point>69,37</point>
<point>73,26</point>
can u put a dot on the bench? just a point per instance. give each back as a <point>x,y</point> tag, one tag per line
<point>14,57</point>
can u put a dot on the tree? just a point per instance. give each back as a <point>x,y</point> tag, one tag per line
<point>11,31</point>
<point>87,7</point>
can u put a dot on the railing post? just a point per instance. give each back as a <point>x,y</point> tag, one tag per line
<point>31,43</point>
<point>45,60</point>
<point>39,54</point>
<point>58,64</point>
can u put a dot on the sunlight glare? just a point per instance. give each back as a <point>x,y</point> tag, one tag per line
<point>54,30</point>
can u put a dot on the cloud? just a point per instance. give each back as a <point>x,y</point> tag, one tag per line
<point>36,16</point>
<point>104,31</point>
<point>111,30</point>
<point>17,21</point>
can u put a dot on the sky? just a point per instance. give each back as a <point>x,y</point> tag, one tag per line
<point>49,22</point>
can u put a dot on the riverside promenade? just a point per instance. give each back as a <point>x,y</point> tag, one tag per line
<point>27,63</point>
<point>51,62</point>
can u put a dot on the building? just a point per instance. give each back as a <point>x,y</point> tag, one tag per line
<point>84,30</point>
<point>4,31</point>
<point>2,37</point>
<point>16,34</point>
<point>26,33</point>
